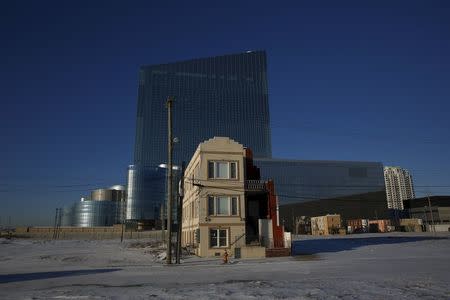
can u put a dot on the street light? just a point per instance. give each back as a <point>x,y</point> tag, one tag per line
<point>164,207</point>
<point>431,214</point>
<point>179,210</point>
<point>164,166</point>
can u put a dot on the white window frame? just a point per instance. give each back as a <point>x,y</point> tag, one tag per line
<point>230,205</point>
<point>227,230</point>
<point>228,176</point>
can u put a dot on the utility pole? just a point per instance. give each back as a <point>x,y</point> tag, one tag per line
<point>122,213</point>
<point>431,213</point>
<point>426,219</point>
<point>180,212</point>
<point>163,225</point>
<point>169,180</point>
<point>55,224</point>
<point>58,226</point>
<point>121,234</point>
<point>9,227</point>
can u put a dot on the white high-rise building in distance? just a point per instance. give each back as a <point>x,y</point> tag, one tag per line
<point>399,186</point>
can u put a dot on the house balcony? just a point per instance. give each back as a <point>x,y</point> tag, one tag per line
<point>255,185</point>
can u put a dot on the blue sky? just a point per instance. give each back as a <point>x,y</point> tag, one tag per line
<point>348,80</point>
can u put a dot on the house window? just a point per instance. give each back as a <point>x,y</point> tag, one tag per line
<point>234,206</point>
<point>233,170</point>
<point>211,206</point>
<point>218,238</point>
<point>222,169</point>
<point>223,206</point>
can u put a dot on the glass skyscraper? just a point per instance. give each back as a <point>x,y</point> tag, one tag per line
<point>217,96</point>
<point>226,96</point>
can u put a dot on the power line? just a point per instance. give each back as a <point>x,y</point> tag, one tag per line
<point>303,196</point>
<point>323,185</point>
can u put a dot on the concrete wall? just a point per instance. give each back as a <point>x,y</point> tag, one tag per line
<point>438,228</point>
<point>253,252</point>
<point>89,233</point>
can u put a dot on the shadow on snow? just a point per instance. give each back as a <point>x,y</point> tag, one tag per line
<point>46,275</point>
<point>303,247</point>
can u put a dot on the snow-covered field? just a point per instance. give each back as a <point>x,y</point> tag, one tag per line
<point>380,266</point>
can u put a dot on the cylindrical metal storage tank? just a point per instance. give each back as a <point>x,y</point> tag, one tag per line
<point>121,211</point>
<point>119,195</point>
<point>119,192</point>
<point>114,193</point>
<point>67,216</point>
<point>90,213</point>
<point>118,187</point>
<point>101,195</point>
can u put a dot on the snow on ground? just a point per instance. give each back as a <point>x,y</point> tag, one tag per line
<point>389,266</point>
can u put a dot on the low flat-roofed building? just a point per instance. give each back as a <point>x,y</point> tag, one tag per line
<point>361,206</point>
<point>411,224</point>
<point>325,225</point>
<point>379,225</point>
<point>308,180</point>
<point>353,189</point>
<point>357,225</point>
<point>437,209</point>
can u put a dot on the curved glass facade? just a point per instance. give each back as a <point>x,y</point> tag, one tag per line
<point>217,96</point>
<point>146,192</point>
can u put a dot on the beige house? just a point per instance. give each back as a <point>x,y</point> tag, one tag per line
<point>214,200</point>
<point>325,225</point>
<point>414,225</point>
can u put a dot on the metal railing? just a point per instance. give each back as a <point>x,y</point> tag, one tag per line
<point>255,185</point>
<point>237,239</point>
